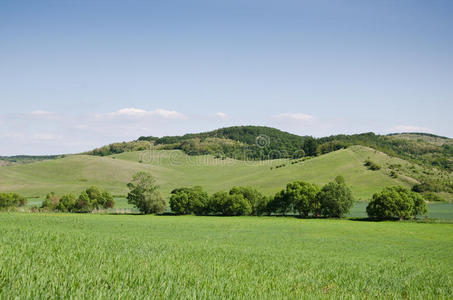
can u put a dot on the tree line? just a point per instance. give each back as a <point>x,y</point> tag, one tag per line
<point>299,198</point>
<point>90,199</point>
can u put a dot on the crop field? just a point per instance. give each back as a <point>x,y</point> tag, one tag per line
<point>105,256</point>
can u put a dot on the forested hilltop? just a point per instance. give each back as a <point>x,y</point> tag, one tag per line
<point>240,142</point>
<point>259,143</point>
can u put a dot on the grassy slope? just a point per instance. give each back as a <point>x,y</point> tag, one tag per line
<point>101,256</point>
<point>439,141</point>
<point>175,169</point>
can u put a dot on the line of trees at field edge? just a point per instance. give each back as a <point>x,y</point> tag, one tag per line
<point>302,198</point>
<point>90,199</point>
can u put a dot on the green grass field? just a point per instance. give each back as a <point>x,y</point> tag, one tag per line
<point>175,169</point>
<point>103,256</point>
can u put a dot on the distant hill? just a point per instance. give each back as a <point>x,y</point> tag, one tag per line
<point>174,168</point>
<point>261,143</point>
<point>24,159</point>
<point>240,142</point>
<point>425,137</point>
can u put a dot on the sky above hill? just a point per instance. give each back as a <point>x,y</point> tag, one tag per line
<point>75,75</point>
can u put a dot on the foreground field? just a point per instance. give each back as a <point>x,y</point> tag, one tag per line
<point>102,256</point>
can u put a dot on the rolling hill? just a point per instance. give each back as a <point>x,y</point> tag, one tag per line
<point>174,168</point>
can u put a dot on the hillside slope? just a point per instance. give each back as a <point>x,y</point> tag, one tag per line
<point>173,168</point>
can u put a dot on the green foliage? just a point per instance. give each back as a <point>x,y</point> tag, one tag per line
<point>185,201</point>
<point>298,196</point>
<point>335,200</point>
<point>340,179</point>
<point>116,148</point>
<point>432,197</point>
<point>88,200</point>
<point>417,151</point>
<point>257,201</point>
<point>311,146</point>
<point>332,146</point>
<point>281,203</point>
<point>51,202</point>
<point>371,165</point>
<point>8,200</point>
<point>144,194</point>
<point>239,142</point>
<point>225,204</point>
<point>433,185</point>
<point>25,159</point>
<point>67,203</point>
<point>396,202</point>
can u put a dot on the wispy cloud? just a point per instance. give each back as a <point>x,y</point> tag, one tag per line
<point>41,113</point>
<point>45,136</point>
<point>221,115</point>
<point>295,116</point>
<point>140,113</point>
<point>409,128</point>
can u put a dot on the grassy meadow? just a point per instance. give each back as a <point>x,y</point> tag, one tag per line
<point>104,256</point>
<point>173,169</point>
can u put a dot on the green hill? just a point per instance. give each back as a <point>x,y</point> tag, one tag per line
<point>263,143</point>
<point>240,142</point>
<point>423,137</point>
<point>174,168</point>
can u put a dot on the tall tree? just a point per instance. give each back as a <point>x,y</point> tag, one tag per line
<point>144,194</point>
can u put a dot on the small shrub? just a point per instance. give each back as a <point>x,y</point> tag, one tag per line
<point>432,197</point>
<point>9,200</point>
<point>371,165</point>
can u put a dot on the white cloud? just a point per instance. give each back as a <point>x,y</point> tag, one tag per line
<point>221,115</point>
<point>41,113</point>
<point>409,128</point>
<point>44,136</point>
<point>139,113</point>
<point>296,116</point>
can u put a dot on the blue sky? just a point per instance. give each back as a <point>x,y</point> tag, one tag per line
<point>79,74</point>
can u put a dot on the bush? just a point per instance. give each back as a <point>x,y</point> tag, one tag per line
<point>396,202</point>
<point>298,196</point>
<point>51,201</point>
<point>222,203</point>
<point>335,200</point>
<point>188,200</point>
<point>281,203</point>
<point>258,202</point>
<point>91,198</point>
<point>144,194</point>
<point>432,197</point>
<point>372,165</point>
<point>8,200</point>
<point>340,179</point>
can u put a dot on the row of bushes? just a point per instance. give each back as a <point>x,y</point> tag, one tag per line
<point>238,201</point>
<point>88,200</point>
<point>299,197</point>
<point>9,200</point>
